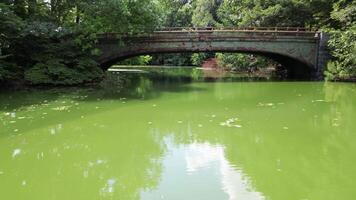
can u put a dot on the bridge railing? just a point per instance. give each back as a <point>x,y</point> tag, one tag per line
<point>249,32</point>
<point>292,29</point>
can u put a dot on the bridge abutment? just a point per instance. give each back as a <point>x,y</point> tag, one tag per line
<point>323,55</point>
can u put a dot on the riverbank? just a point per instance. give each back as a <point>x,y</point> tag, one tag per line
<point>180,73</point>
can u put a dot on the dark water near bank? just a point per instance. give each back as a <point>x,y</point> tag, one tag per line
<point>186,135</point>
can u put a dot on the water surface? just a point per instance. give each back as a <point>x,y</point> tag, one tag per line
<point>178,139</point>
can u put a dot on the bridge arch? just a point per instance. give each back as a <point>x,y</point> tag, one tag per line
<point>298,52</point>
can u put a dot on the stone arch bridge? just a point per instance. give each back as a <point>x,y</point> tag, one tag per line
<point>301,51</point>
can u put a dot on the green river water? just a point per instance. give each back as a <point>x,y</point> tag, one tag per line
<point>178,139</point>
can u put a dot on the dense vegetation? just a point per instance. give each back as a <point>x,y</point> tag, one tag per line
<point>53,41</point>
<point>343,42</point>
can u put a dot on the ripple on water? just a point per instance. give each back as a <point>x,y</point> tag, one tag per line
<point>232,122</point>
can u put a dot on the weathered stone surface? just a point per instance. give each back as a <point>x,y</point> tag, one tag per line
<point>298,50</point>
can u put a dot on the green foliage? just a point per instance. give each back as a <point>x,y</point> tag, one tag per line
<point>203,14</point>
<point>344,13</point>
<point>198,58</point>
<point>63,57</point>
<point>333,71</point>
<point>241,62</point>
<point>122,16</point>
<point>10,27</point>
<point>9,71</point>
<point>10,24</point>
<point>245,13</point>
<point>53,42</point>
<point>343,42</point>
<point>56,72</point>
<point>20,8</point>
<point>180,59</point>
<point>139,60</point>
<point>238,62</point>
<point>176,13</point>
<point>343,45</point>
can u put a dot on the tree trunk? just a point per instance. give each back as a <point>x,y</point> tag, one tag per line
<point>77,18</point>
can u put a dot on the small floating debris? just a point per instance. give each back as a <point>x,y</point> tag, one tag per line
<point>150,123</point>
<point>1,172</point>
<point>200,125</point>
<point>16,153</point>
<point>319,100</point>
<point>13,115</point>
<point>265,104</point>
<point>40,156</point>
<point>231,123</point>
<point>285,128</point>
<point>335,124</point>
<point>99,162</point>
<point>179,122</point>
<point>24,183</point>
<point>61,108</point>
<point>154,105</point>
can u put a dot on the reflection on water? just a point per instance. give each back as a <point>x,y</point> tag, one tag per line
<point>204,167</point>
<point>169,137</point>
